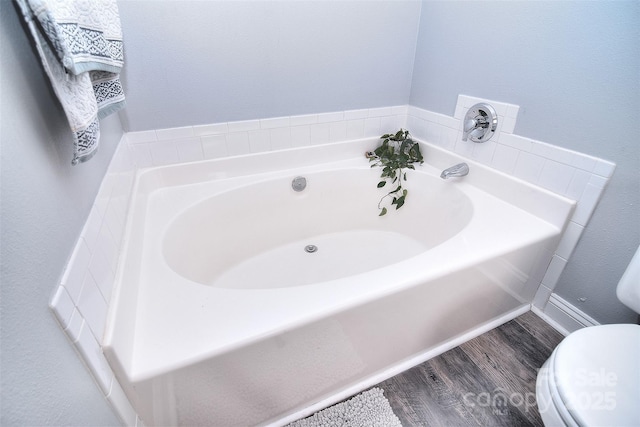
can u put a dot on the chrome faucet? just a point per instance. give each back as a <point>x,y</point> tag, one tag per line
<point>461,169</point>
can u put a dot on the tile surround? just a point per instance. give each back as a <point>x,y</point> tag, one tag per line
<point>81,299</point>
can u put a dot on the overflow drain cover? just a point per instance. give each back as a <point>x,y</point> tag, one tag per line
<point>310,249</point>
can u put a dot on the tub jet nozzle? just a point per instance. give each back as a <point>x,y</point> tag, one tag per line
<point>299,183</point>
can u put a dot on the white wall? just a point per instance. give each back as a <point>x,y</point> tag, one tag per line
<point>573,68</point>
<point>44,204</point>
<point>194,62</point>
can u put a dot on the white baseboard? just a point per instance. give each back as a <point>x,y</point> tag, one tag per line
<point>564,317</point>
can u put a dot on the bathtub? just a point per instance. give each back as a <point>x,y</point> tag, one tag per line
<point>240,301</point>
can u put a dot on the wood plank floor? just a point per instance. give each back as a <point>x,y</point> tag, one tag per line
<point>488,381</point>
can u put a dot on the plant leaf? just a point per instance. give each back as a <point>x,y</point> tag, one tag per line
<point>382,184</point>
<point>383,211</point>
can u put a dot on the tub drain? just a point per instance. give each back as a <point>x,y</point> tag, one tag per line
<point>310,249</point>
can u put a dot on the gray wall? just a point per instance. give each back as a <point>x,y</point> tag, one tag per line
<point>191,63</point>
<point>574,69</point>
<point>44,203</point>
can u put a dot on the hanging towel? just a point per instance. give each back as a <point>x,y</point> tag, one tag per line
<point>80,45</point>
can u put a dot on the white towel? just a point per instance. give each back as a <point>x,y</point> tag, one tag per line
<point>80,45</point>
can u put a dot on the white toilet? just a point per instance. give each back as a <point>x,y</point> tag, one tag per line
<point>592,378</point>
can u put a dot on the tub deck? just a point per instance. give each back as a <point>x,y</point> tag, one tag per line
<point>181,349</point>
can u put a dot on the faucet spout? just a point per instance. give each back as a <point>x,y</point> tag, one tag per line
<point>461,169</point>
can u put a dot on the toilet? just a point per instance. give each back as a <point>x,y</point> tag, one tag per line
<point>592,378</point>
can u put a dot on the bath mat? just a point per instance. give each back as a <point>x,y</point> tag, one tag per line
<point>367,409</point>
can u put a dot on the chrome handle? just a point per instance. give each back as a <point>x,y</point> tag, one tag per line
<point>480,123</point>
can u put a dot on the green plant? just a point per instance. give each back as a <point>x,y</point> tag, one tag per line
<point>396,153</point>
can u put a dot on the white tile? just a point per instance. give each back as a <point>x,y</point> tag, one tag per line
<point>355,129</point>
<point>569,240</point>
<point>214,146</point>
<point>372,127</point>
<point>356,114</point>
<point>465,148</point>
<point>541,149</point>
<point>512,111</point>
<point>539,269</point>
<point>115,221</point>
<point>238,143</point>
<point>123,184</point>
<point>459,112</point>
<point>307,119</point>
<point>338,131</point>
<point>528,167</point>
<point>429,116</point>
<point>62,306</point>
<point>562,155</point>
<point>319,133</point>
<point>515,141</point>
<point>556,176</point>
<point>76,323</point>
<point>389,124</point>
<point>243,126</point>
<point>93,306</point>
<point>604,168</point>
<point>106,188</point>
<point>142,136</point>
<point>107,246</point>
<point>330,117</point>
<point>276,122</point>
<point>189,150</point>
<point>164,153</point>
<point>505,158</point>
<point>466,102</point>
<point>174,133</point>
<point>260,141</point>
<point>500,107</point>
<point>413,110</point>
<point>598,181</point>
<point>416,126</point>
<point>400,110</point>
<point>100,272</point>
<point>448,138</point>
<point>92,228</point>
<point>142,155</point>
<point>587,204</point>
<point>76,269</point>
<point>401,121</point>
<point>380,112</point>
<point>483,152</point>
<point>449,121</point>
<point>212,129</point>
<point>121,404</point>
<point>554,271</point>
<point>508,124</point>
<point>280,138</point>
<point>542,297</point>
<point>433,133</point>
<point>90,349</point>
<point>300,136</point>
<point>578,184</point>
<point>584,162</point>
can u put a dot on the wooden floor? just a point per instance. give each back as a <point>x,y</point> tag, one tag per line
<point>488,381</point>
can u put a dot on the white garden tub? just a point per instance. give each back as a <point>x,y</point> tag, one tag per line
<point>221,317</point>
